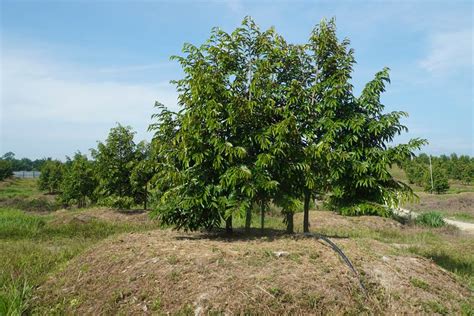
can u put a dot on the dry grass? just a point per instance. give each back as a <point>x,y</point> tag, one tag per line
<point>168,272</point>
<point>448,204</point>
<point>100,213</point>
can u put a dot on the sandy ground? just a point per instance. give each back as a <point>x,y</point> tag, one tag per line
<point>463,226</point>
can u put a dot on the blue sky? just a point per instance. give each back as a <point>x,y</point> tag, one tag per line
<point>71,69</point>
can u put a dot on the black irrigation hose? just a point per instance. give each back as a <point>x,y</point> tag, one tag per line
<point>341,254</point>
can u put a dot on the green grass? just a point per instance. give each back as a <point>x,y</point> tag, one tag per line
<point>31,246</point>
<point>431,219</point>
<point>419,283</point>
<point>19,188</point>
<point>24,194</point>
<point>456,186</point>
<point>464,217</point>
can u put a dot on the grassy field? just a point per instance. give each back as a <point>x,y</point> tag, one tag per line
<point>35,244</point>
<point>19,188</point>
<point>38,247</point>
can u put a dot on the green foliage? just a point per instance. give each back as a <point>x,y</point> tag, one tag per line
<point>32,246</point>
<point>6,169</point>
<point>265,120</point>
<point>79,181</point>
<point>142,172</point>
<point>416,173</point>
<point>23,164</point>
<point>431,219</point>
<point>453,167</point>
<point>115,161</point>
<point>440,181</point>
<point>217,154</point>
<point>14,297</point>
<point>51,176</point>
<point>15,223</point>
<point>119,202</point>
<point>366,208</point>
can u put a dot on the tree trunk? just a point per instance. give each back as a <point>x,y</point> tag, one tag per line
<point>228,225</point>
<point>248,219</point>
<point>262,215</point>
<point>307,197</point>
<point>144,202</point>
<point>289,222</point>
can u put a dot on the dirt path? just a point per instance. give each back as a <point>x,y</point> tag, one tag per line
<point>463,226</point>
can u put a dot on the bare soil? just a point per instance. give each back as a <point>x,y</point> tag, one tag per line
<point>65,216</point>
<point>168,272</point>
<point>447,203</point>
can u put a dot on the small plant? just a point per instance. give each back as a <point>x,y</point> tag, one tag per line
<point>119,202</point>
<point>275,291</point>
<point>431,219</point>
<point>419,283</point>
<point>364,208</point>
<point>14,297</point>
<point>157,304</point>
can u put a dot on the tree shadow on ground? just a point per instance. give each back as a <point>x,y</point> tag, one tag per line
<point>131,212</point>
<point>239,234</point>
<point>453,264</point>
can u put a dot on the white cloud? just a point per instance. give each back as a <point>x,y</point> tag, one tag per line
<point>42,89</point>
<point>449,52</point>
<point>46,101</point>
<point>235,6</point>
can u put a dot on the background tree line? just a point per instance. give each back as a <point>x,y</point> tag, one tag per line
<point>116,176</point>
<point>23,164</point>
<point>453,167</point>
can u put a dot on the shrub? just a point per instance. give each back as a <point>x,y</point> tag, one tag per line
<point>440,181</point>
<point>431,219</point>
<point>120,202</point>
<point>51,176</point>
<point>364,208</point>
<point>6,169</point>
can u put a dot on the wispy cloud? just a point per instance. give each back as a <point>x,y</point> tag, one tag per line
<point>42,89</point>
<point>41,98</point>
<point>449,52</point>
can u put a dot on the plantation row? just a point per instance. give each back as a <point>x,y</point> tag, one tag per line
<point>23,164</point>
<point>443,168</point>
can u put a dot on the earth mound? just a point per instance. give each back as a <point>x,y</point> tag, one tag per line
<point>167,272</point>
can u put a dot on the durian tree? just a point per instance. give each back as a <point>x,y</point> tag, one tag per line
<point>263,120</point>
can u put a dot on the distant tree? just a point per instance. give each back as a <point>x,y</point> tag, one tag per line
<point>51,176</point>
<point>456,167</point>
<point>142,172</point>
<point>24,164</point>
<point>440,180</point>
<point>6,169</point>
<point>114,163</point>
<point>416,172</point>
<point>79,181</point>
<point>9,156</point>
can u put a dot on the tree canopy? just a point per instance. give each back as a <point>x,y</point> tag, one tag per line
<point>262,119</point>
